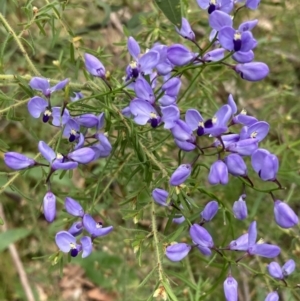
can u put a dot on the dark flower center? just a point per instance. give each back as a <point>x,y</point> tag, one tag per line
<point>208,123</point>
<point>211,8</point>
<point>74,252</point>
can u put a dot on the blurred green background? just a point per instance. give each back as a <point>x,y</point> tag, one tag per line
<point>114,271</point>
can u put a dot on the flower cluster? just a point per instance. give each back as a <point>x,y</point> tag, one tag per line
<point>152,80</point>
<point>86,143</point>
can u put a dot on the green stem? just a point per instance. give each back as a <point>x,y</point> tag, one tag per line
<point>156,242</point>
<point>14,79</point>
<point>19,103</point>
<point>18,41</point>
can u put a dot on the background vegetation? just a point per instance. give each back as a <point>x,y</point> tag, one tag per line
<point>56,34</point>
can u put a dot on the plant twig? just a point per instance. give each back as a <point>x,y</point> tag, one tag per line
<point>18,41</point>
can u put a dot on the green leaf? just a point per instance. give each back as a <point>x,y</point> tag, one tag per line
<point>171,9</point>
<point>11,236</point>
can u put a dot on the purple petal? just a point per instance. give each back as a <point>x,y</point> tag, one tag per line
<point>243,147</point>
<point>88,120</point>
<point>252,232</point>
<point>83,155</point>
<point>179,55</point>
<point>142,110</point>
<point>40,84</point>
<point>226,36</point>
<point>73,207</point>
<point>230,289</point>
<point>254,71</point>
<point>181,131</point>
<point>274,270</point>
<point>214,55</point>
<point>95,229</point>
<point>186,30</point>
<point>200,236</point>
<point>65,241</point>
<point>58,164</point>
<point>252,4</point>
<point>87,246</point>
<point>133,48</point>
<point>49,206</point>
<point>94,66</point>
<point>148,61</point>
<point>236,165</point>
<point>273,296</point>
<point>248,25</point>
<point>193,118</point>
<point>46,151</point>
<point>218,173</point>
<point>36,106</point>
<point>219,19</point>
<point>284,215</point>
<point>181,174</point>
<point>240,209</point>
<point>160,196</point>
<point>170,114</point>
<point>289,267</point>
<point>76,228</point>
<point>185,145</point>
<point>210,210</point>
<point>59,120</point>
<point>17,161</point>
<point>240,244</point>
<point>59,86</point>
<point>243,57</point>
<point>177,251</point>
<point>143,90</point>
<point>264,250</point>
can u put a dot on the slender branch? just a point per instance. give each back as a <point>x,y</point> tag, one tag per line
<point>18,41</point>
<point>17,261</point>
<point>19,103</point>
<point>14,79</point>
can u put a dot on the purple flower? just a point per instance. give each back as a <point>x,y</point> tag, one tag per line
<point>252,4</point>
<point>273,296</point>
<point>178,251</point>
<point>94,228</point>
<point>160,196</point>
<point>284,215</point>
<point>49,206</point>
<point>73,207</point>
<point>240,208</point>
<point>186,30</point>
<point>43,85</point>
<point>66,242</point>
<point>178,220</point>
<point>214,55</point>
<point>210,210</point>
<point>179,55</point>
<point>202,239</point>
<point>37,106</point>
<point>144,112</point>
<point>91,120</point>
<point>253,72</point>
<point>180,175</point>
<point>57,161</point>
<point>231,289</point>
<point>265,164</point>
<point>281,272</point>
<point>218,173</point>
<point>71,130</point>
<point>18,161</point>
<point>171,88</point>
<point>94,66</point>
<point>236,40</point>
<point>181,131</point>
<point>142,63</point>
<point>243,57</point>
<point>260,249</point>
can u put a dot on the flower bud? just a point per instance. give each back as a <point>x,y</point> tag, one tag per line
<point>240,208</point>
<point>49,206</point>
<point>218,173</point>
<point>210,210</point>
<point>274,270</point>
<point>284,215</point>
<point>236,165</point>
<point>272,297</point>
<point>180,174</point>
<point>160,196</point>
<point>178,251</point>
<point>231,289</point>
<point>73,207</point>
<point>17,161</point>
